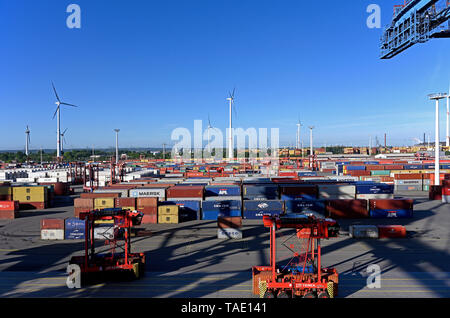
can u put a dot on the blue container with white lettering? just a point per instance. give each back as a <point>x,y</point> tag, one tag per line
<point>300,206</point>
<point>374,188</point>
<point>307,174</point>
<point>389,214</point>
<point>211,210</point>
<point>413,167</point>
<point>223,191</point>
<point>356,168</point>
<point>74,229</point>
<point>256,209</point>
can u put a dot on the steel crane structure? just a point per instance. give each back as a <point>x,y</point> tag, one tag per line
<point>416,21</point>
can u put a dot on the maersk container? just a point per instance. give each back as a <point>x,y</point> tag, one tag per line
<point>74,229</point>
<point>148,193</point>
<point>222,190</point>
<point>301,206</point>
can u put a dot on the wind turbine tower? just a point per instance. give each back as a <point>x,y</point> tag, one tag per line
<point>58,123</point>
<point>27,141</point>
<point>299,125</point>
<point>447,139</point>
<point>230,133</point>
<point>311,148</point>
<point>437,97</point>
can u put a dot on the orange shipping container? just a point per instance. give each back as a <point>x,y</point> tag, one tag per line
<point>9,205</point>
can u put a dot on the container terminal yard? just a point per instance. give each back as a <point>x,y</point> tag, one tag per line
<point>202,227</point>
<point>243,213</point>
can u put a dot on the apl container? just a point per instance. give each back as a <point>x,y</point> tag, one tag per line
<point>222,190</point>
<point>390,213</point>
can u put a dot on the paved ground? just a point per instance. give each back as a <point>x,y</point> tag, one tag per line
<point>187,260</point>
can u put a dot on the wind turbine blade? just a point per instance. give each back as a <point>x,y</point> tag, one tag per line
<point>64,131</point>
<point>56,94</point>
<point>69,104</point>
<point>55,112</point>
<point>234,89</point>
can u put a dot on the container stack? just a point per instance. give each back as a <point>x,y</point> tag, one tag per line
<point>82,205</point>
<point>9,209</point>
<point>148,206</point>
<point>168,214</point>
<point>31,197</point>
<point>256,209</point>
<point>229,228</point>
<point>212,210</point>
<point>395,208</point>
<point>337,192</point>
<point>52,229</point>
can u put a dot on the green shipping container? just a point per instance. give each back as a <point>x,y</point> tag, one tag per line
<point>380,172</point>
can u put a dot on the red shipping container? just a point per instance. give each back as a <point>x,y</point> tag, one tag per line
<point>8,215</point>
<point>185,192</point>
<point>52,224</point>
<point>146,202</point>
<point>358,173</point>
<point>91,195</point>
<point>408,176</point>
<point>229,222</point>
<point>347,209</point>
<point>83,202</point>
<point>375,167</point>
<point>125,202</point>
<point>9,205</point>
<point>446,191</point>
<point>78,210</point>
<point>391,231</point>
<point>391,204</point>
<point>33,205</point>
<point>393,167</point>
<point>149,219</point>
<point>149,210</point>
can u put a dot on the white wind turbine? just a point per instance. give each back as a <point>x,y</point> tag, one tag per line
<point>63,140</point>
<point>58,123</point>
<point>27,141</point>
<point>230,133</point>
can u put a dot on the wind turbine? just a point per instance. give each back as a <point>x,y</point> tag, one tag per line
<point>63,140</point>
<point>311,150</point>
<point>58,123</point>
<point>230,133</point>
<point>27,141</point>
<point>209,135</point>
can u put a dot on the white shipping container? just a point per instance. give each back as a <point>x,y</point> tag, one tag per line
<point>375,196</point>
<point>229,233</point>
<point>148,193</point>
<point>52,234</point>
<point>47,180</point>
<point>363,231</point>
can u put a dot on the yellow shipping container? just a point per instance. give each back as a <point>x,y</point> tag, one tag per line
<point>103,203</point>
<point>168,219</point>
<point>104,222</point>
<point>30,194</point>
<point>168,210</point>
<point>132,208</point>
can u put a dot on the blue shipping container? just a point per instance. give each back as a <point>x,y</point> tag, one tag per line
<point>307,174</point>
<point>214,214</point>
<point>413,167</point>
<point>263,205</point>
<point>446,166</point>
<point>299,206</point>
<point>290,197</point>
<point>378,188</point>
<point>221,205</point>
<point>74,229</point>
<point>356,168</point>
<point>187,210</point>
<point>381,214</point>
<point>223,190</point>
<point>255,214</point>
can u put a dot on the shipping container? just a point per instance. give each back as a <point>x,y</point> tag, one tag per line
<point>363,231</point>
<point>257,209</point>
<point>168,219</point>
<point>52,224</point>
<point>304,206</point>
<point>159,193</point>
<point>74,229</point>
<point>229,222</point>
<point>347,209</point>
<point>103,203</point>
<point>187,210</point>
<point>220,190</point>
<point>52,234</point>
<point>229,233</point>
<point>391,231</point>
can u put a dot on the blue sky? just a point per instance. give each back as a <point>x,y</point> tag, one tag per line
<point>148,67</point>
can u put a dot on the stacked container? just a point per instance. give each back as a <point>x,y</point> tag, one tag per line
<point>369,191</point>
<point>395,208</point>
<point>9,209</point>
<point>52,229</point>
<point>168,214</point>
<point>148,206</point>
<point>212,210</point>
<point>229,228</point>
<point>187,210</point>
<point>260,192</point>
<point>256,209</point>
<point>83,205</point>
<point>35,197</point>
<point>347,209</point>
<point>337,192</point>
<point>159,193</point>
<point>222,192</point>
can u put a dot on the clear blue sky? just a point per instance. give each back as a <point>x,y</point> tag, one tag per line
<point>147,67</point>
